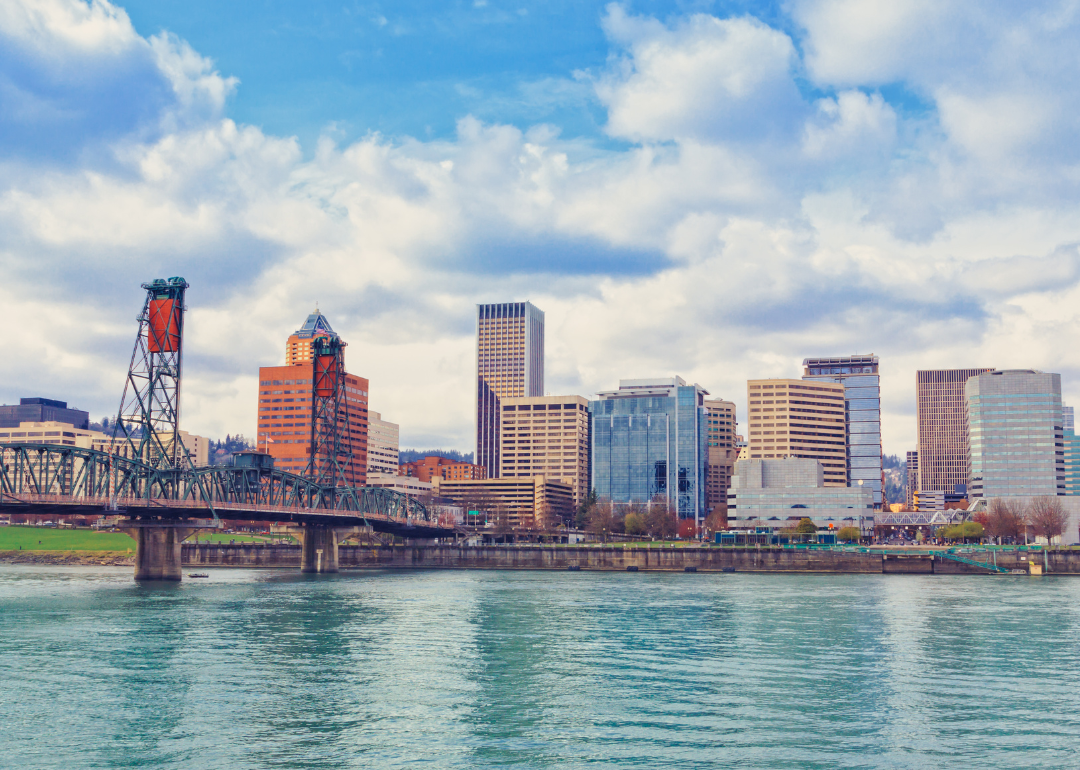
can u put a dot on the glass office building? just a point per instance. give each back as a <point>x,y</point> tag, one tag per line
<point>649,439</point>
<point>1016,444</point>
<point>862,403</point>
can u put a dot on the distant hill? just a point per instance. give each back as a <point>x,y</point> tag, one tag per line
<point>411,455</point>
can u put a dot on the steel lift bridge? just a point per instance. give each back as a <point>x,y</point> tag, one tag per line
<point>146,475</point>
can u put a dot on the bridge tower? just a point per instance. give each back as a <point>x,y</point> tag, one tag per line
<point>331,450</point>
<point>148,421</point>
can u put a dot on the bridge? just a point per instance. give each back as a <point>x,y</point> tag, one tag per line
<point>145,476</point>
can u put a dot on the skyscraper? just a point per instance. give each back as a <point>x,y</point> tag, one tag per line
<point>382,455</point>
<point>285,399</point>
<point>509,364</point>
<point>547,436</point>
<point>1016,446</point>
<point>1068,415</point>
<point>912,479</point>
<point>942,425</point>
<point>298,346</point>
<point>721,452</point>
<point>793,418</point>
<point>862,396</point>
<point>649,439</point>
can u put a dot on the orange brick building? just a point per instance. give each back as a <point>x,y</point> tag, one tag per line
<point>285,397</point>
<point>445,468</point>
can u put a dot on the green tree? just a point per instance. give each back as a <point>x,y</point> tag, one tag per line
<point>848,534</point>
<point>584,511</point>
<point>635,524</point>
<point>806,527</point>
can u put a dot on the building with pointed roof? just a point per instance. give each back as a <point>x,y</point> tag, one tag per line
<point>298,347</point>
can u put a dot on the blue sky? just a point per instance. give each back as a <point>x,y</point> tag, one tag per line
<point>715,190</point>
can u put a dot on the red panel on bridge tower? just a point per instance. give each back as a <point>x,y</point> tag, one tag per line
<point>163,331</point>
<point>326,375</point>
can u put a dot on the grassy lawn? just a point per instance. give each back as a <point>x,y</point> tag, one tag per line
<point>46,539</point>
<point>220,537</point>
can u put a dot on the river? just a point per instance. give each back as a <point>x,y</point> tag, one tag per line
<point>454,669</point>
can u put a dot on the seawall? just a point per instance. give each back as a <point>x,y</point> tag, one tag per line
<point>618,558</point>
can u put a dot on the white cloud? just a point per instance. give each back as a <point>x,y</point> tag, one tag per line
<point>745,227</point>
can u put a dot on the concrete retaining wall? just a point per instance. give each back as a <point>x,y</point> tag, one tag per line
<point>612,558</point>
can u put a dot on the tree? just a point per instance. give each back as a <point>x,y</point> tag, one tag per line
<point>717,520</point>
<point>1047,517</point>
<point>661,520</point>
<point>601,520</point>
<point>806,527</point>
<point>1003,521</point>
<point>848,534</point>
<point>635,523</point>
<point>584,510</point>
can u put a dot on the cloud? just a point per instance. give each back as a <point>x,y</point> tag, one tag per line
<point>703,78</point>
<point>733,220</point>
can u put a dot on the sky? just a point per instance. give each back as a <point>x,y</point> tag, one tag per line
<point>714,190</point>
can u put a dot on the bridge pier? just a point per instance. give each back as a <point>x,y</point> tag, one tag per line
<point>319,545</point>
<point>157,546</point>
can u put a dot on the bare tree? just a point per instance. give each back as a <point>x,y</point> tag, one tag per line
<point>1047,517</point>
<point>1003,520</point>
<point>601,519</point>
<point>661,520</point>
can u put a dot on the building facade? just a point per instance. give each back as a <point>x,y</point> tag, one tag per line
<point>721,454</point>
<point>434,466</point>
<point>534,503</point>
<point>942,428</point>
<point>299,346</point>
<point>649,440</point>
<point>509,364</point>
<point>912,479</point>
<point>383,450</point>
<point>862,401</point>
<point>546,436</point>
<point>407,485</point>
<point>42,410</point>
<point>780,492</point>
<point>1072,463</point>
<point>795,418</point>
<point>65,434</point>
<point>285,402</point>
<point>1015,436</point>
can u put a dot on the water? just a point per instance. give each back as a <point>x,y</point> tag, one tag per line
<point>536,670</point>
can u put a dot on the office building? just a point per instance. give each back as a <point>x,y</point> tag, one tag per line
<point>795,418</point>
<point>1015,438</point>
<point>407,485</point>
<point>534,503</point>
<point>65,434</point>
<point>546,436</point>
<point>649,440</point>
<point>434,466</point>
<point>383,451</point>
<point>1068,418</point>
<point>862,396</point>
<point>509,364</point>
<point>299,346</point>
<point>942,428</point>
<point>1072,463</point>
<point>721,454</point>
<point>778,493</point>
<point>285,400</point>
<point>912,479</point>
<point>42,410</point>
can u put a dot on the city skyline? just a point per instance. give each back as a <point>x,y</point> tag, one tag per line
<point>799,186</point>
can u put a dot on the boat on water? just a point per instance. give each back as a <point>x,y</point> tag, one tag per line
<point>198,575</point>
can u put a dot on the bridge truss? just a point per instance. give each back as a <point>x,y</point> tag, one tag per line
<point>33,475</point>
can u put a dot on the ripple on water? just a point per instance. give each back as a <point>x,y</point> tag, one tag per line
<point>533,670</point>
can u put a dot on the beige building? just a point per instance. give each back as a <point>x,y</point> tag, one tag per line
<point>546,436</point>
<point>63,434</point>
<point>797,418</point>
<point>383,450</point>
<point>405,484</point>
<point>942,421</point>
<point>722,452</point>
<point>519,503</point>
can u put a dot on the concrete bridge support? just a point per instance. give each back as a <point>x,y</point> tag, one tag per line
<point>157,546</point>
<point>319,545</point>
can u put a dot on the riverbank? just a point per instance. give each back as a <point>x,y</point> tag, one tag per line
<point>910,561</point>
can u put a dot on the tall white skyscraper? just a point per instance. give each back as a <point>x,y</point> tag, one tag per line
<point>509,364</point>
